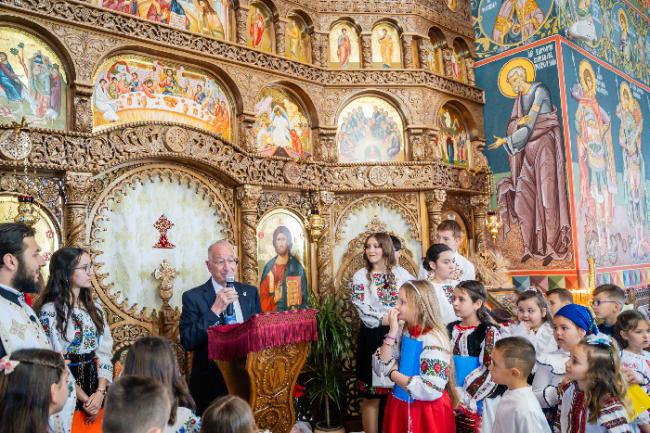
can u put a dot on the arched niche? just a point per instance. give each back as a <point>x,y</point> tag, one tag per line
<point>433,46</point>
<point>297,36</point>
<point>283,261</point>
<point>260,29</point>
<point>344,46</point>
<point>209,17</point>
<point>33,81</point>
<point>386,47</point>
<point>370,129</point>
<point>137,88</point>
<point>460,54</point>
<point>454,136</point>
<point>282,126</point>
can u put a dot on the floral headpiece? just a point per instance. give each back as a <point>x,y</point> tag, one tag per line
<point>7,365</point>
<point>602,340</point>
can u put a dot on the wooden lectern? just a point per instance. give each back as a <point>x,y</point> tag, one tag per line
<point>260,361</point>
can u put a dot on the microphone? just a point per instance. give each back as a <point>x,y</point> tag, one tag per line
<point>230,283</point>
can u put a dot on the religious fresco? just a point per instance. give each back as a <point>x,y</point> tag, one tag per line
<point>33,82</point>
<point>297,40</point>
<point>432,59</point>
<point>453,137</point>
<point>208,17</point>
<point>281,126</point>
<point>133,88</point>
<point>526,152</point>
<point>611,30</point>
<point>369,129</point>
<point>386,47</point>
<point>344,51</point>
<point>606,125</point>
<point>259,28</point>
<point>500,25</point>
<point>282,252</point>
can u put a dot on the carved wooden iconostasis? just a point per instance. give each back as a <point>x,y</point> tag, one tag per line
<point>150,134</point>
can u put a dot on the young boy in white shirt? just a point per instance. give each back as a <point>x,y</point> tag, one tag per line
<point>450,234</point>
<point>518,411</point>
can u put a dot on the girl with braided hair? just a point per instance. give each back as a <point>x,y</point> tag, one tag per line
<point>374,292</point>
<point>419,361</point>
<point>33,386</point>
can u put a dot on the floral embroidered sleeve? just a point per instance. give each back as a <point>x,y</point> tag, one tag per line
<point>614,418</point>
<point>479,384</point>
<point>434,371</point>
<point>370,316</point>
<point>49,323</point>
<point>105,350</point>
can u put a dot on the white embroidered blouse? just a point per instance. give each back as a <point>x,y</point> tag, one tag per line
<point>186,422</point>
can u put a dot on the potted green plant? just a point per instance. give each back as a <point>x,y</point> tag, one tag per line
<point>325,375</point>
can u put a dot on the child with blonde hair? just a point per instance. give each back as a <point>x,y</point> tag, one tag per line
<point>419,361</point>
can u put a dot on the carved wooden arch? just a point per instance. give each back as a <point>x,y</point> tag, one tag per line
<point>302,99</point>
<point>391,22</point>
<point>439,35</point>
<point>402,108</point>
<point>203,184</point>
<point>348,20</point>
<point>223,78</point>
<point>309,22</point>
<point>471,123</point>
<point>53,41</point>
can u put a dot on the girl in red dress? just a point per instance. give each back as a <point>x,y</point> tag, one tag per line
<point>418,359</point>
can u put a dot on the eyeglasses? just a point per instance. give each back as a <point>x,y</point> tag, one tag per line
<point>598,302</point>
<point>87,268</point>
<point>231,261</point>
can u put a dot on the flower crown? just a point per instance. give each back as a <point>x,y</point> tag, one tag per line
<point>7,365</point>
<point>602,340</point>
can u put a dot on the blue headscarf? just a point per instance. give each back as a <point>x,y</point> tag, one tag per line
<point>579,315</point>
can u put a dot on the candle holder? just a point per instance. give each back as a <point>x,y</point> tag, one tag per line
<point>493,223</point>
<point>26,213</point>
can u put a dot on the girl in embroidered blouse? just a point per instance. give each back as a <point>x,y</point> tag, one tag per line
<point>571,324</point>
<point>440,266</point>
<point>593,394</point>
<point>374,292</point>
<point>33,386</point>
<point>76,327</point>
<point>632,328</point>
<point>472,341</point>
<point>155,357</point>
<point>533,322</point>
<point>419,362</point>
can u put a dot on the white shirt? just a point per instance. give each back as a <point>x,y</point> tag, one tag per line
<point>519,412</point>
<point>464,269</point>
<point>239,316</point>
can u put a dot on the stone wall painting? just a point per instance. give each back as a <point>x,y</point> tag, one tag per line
<point>33,82</point>
<point>133,88</point>
<point>386,47</point>
<point>453,136</point>
<point>282,251</point>
<point>370,129</point>
<point>259,25</point>
<point>344,51</point>
<point>209,17</point>
<point>297,40</point>
<point>281,126</point>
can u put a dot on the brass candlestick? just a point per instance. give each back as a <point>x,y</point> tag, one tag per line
<point>26,213</point>
<point>493,223</point>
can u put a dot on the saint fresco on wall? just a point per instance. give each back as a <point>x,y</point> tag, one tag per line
<point>453,136</point>
<point>259,27</point>
<point>369,129</point>
<point>33,83</point>
<point>209,17</point>
<point>281,127</point>
<point>281,254</point>
<point>432,59</point>
<point>132,88</point>
<point>344,50</point>
<point>386,47</point>
<point>297,41</point>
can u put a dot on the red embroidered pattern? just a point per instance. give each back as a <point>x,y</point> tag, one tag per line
<point>386,293</point>
<point>578,413</point>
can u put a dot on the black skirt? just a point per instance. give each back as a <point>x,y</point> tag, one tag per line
<point>84,369</point>
<point>368,341</point>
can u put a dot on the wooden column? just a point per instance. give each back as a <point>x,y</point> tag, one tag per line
<point>280,31</point>
<point>408,51</point>
<point>434,200</point>
<point>319,230</point>
<point>366,51</point>
<point>240,17</point>
<point>480,205</point>
<point>77,188</point>
<point>248,197</point>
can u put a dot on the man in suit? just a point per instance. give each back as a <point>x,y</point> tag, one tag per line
<point>204,306</point>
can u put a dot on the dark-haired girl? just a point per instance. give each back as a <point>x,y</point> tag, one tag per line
<point>77,328</point>
<point>534,322</point>
<point>440,266</point>
<point>472,341</point>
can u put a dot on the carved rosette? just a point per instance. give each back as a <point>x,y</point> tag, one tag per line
<point>248,197</point>
<point>480,205</point>
<point>408,51</point>
<point>434,200</point>
<point>280,30</point>
<point>77,188</point>
<point>366,50</point>
<point>83,114</point>
<point>240,16</point>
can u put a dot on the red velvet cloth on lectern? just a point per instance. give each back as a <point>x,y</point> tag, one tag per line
<point>262,331</point>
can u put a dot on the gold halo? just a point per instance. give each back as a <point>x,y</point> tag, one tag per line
<point>585,65</point>
<point>621,14</point>
<point>504,86</point>
<point>625,87</point>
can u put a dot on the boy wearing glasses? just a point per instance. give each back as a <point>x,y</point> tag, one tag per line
<point>607,303</point>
